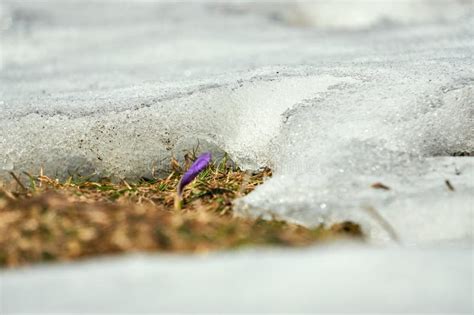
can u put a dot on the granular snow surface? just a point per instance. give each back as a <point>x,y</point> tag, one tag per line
<point>117,90</point>
<point>333,100</point>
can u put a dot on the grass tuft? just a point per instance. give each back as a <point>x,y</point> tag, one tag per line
<point>49,220</point>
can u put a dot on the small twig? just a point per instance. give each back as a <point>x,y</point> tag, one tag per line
<point>18,181</point>
<point>383,223</point>
<point>195,150</point>
<point>41,176</point>
<point>450,186</point>
<point>126,184</point>
<point>170,176</point>
<point>380,185</point>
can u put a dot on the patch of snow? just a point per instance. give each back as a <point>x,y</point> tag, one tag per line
<point>117,89</point>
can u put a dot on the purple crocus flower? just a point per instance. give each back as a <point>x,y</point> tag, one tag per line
<point>198,166</point>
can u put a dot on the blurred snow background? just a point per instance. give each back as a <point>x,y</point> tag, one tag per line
<point>333,95</point>
<point>358,14</point>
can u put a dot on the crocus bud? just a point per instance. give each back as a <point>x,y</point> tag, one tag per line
<point>198,166</point>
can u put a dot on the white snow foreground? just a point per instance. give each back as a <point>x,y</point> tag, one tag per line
<point>325,280</point>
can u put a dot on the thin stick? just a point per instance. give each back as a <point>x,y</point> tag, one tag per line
<point>450,186</point>
<point>126,184</point>
<point>18,181</point>
<point>383,223</point>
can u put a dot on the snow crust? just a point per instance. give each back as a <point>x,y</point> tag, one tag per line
<point>333,106</point>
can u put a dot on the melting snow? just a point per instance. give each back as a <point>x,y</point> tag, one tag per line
<point>332,108</point>
<point>334,99</point>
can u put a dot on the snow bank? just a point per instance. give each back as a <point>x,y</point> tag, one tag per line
<point>117,89</point>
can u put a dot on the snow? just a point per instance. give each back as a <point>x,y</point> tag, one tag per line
<point>334,96</point>
<point>346,279</point>
<point>359,14</point>
<point>331,108</point>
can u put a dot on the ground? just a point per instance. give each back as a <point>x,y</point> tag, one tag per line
<point>52,220</point>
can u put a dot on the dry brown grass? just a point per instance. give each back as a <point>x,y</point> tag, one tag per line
<point>53,220</point>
